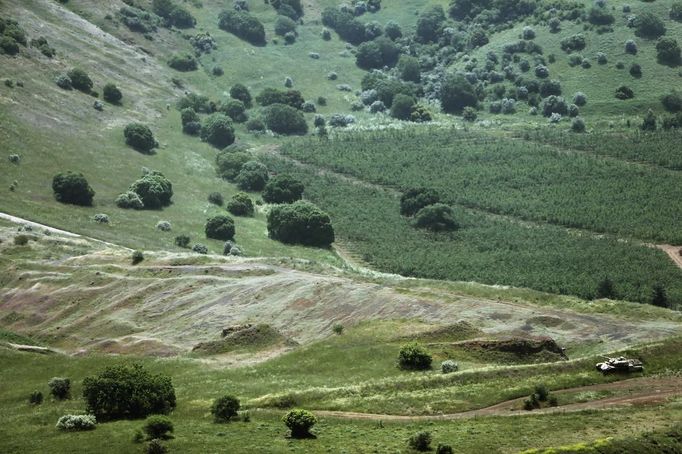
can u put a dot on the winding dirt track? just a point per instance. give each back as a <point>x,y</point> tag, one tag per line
<point>673,252</point>
<point>636,391</point>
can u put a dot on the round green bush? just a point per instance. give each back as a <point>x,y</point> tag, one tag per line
<point>299,422</point>
<point>183,63</point>
<point>129,200</point>
<point>112,94</point>
<point>182,241</point>
<point>154,189</point>
<point>300,223</point>
<point>220,228</point>
<point>414,357</point>
<point>72,188</point>
<point>283,189</point>
<point>140,137</point>
<point>234,109</point>
<point>137,257</point>
<point>155,447</point>
<point>421,441</point>
<point>128,392</point>
<point>284,25</point>
<point>253,176</point>
<point>456,94</point>
<point>649,25</point>
<point>240,205</point>
<point>437,218</point>
<point>417,198</point>
<point>158,427</point>
<point>224,408</point>
<point>241,93</point>
<point>402,107</point>
<point>217,130</point>
<point>60,388</point>
<point>80,80</point>
<point>284,119</point>
<point>76,423</point>
<point>230,163</point>
<point>216,198</point>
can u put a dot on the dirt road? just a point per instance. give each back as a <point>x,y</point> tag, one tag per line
<point>636,391</point>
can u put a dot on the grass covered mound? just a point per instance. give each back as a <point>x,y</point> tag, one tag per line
<point>245,338</point>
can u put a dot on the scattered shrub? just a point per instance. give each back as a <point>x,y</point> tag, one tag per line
<point>43,46</point>
<point>76,423</point>
<point>337,329</point>
<point>224,408</point>
<point>111,94</point>
<point>217,130</point>
<point>35,398</point>
<point>200,249</point>
<point>220,228</point>
<point>216,198</point>
<point>554,104</point>
<point>573,43</point>
<point>72,188</point>
<point>676,11</point>
<point>436,218</point>
<point>668,51</point>
<point>241,93</point>
<point>456,94</point>
<point>229,164</point>
<point>63,81</point>
<point>578,125</point>
<point>137,257</point>
<point>243,25</point>
<point>60,388</point>
<point>21,240</point>
<point>421,441</point>
<point>300,223</point>
<point>164,226</point>
<point>672,102</point>
<point>283,189</point>
<point>183,63</point>
<point>129,200</point>
<point>234,109</point>
<point>182,241</point>
<point>253,176</point>
<point>101,218</point>
<point>255,125</point>
<point>240,205</point>
<point>80,80</point>
<point>415,199</point>
<point>414,357</point>
<point>154,189</point>
<point>649,122</point>
<point>284,119</point>
<point>402,106</point>
<point>8,45</point>
<point>649,25</point>
<point>449,366</point>
<point>158,427</point>
<point>155,447</point>
<point>444,449</point>
<point>580,99</point>
<point>198,103</point>
<point>128,392</point>
<point>624,92</point>
<point>299,422</point>
<point>140,137</point>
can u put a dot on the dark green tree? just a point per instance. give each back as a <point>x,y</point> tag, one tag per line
<point>300,223</point>
<point>456,94</point>
<point>414,357</point>
<point>217,130</point>
<point>220,228</point>
<point>299,422</point>
<point>140,137</point>
<point>437,218</point>
<point>154,189</point>
<point>283,189</point>
<point>659,297</point>
<point>253,176</point>
<point>224,408</point>
<point>417,198</point>
<point>72,188</point>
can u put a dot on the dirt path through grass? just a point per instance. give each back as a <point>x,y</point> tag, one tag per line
<point>635,391</point>
<point>674,252</point>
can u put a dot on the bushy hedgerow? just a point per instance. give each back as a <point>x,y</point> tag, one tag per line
<point>253,176</point>
<point>224,408</point>
<point>283,188</point>
<point>72,188</point>
<point>220,227</point>
<point>299,422</point>
<point>154,189</point>
<point>112,94</point>
<point>80,80</point>
<point>456,94</point>
<point>140,137</point>
<point>128,392</point>
<point>240,205</point>
<point>76,423</point>
<point>271,96</point>
<point>60,388</point>
<point>158,427</point>
<point>217,130</point>
<point>284,119</point>
<point>230,163</point>
<point>183,63</point>
<point>243,25</point>
<point>129,200</point>
<point>415,199</point>
<point>649,25</point>
<point>241,93</point>
<point>235,109</point>
<point>300,223</point>
<point>414,357</point>
<point>437,217</point>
